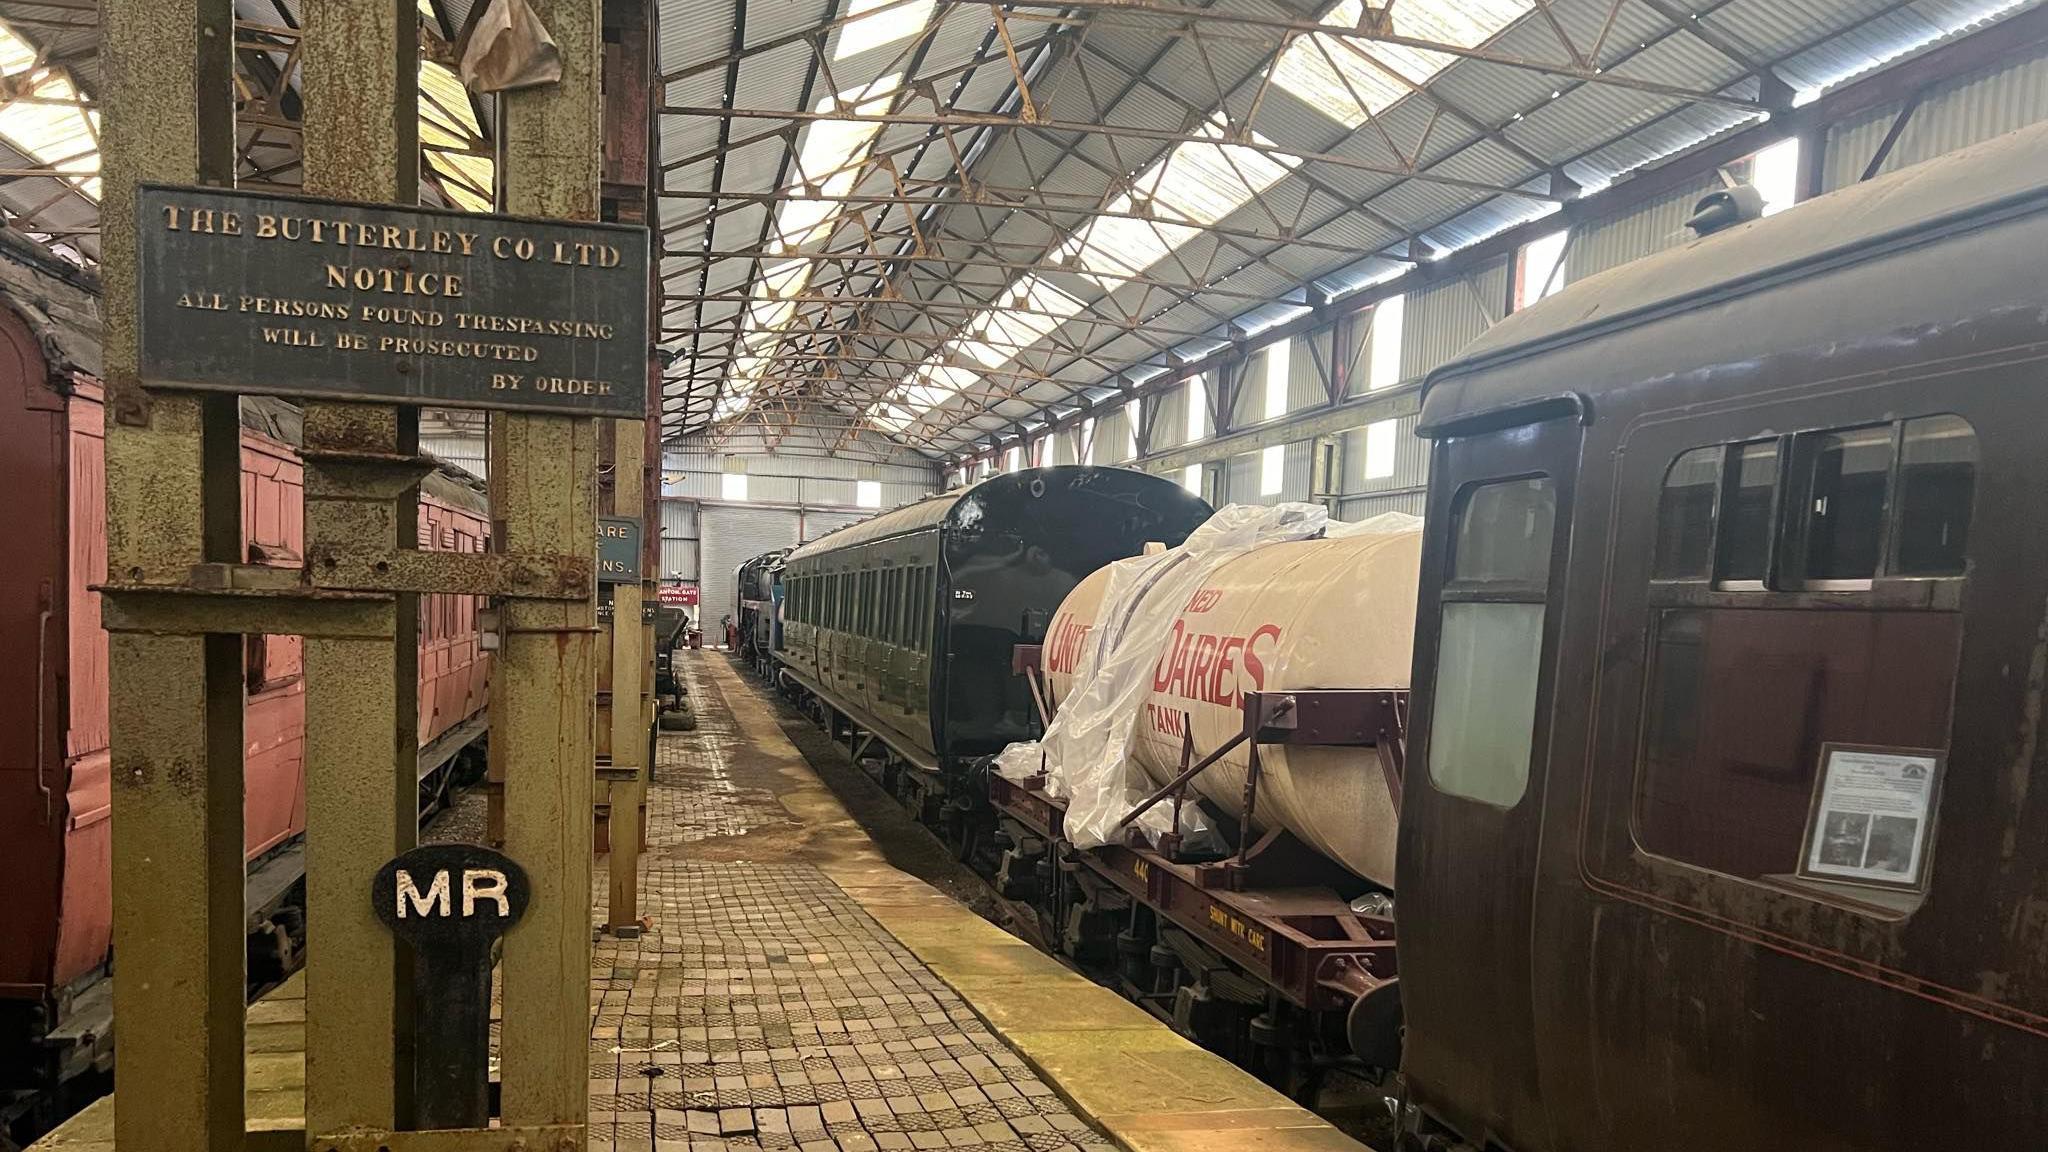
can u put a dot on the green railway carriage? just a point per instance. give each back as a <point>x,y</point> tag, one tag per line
<point>903,624</point>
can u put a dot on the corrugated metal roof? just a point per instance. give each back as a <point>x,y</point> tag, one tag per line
<point>1460,148</point>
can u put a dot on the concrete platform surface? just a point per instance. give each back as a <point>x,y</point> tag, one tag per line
<point>794,991</point>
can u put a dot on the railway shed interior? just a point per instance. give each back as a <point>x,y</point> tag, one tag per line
<point>1434,575</point>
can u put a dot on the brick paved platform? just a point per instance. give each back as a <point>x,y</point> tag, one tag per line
<point>792,990</point>
<point>764,1008</point>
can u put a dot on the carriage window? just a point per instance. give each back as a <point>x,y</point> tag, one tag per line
<point>1504,532</point>
<point>1937,481</point>
<point>1884,500</point>
<point>892,609</point>
<point>1685,516</point>
<point>927,608</point>
<point>1837,533</point>
<point>1740,701</point>
<point>920,607</point>
<point>1490,647</point>
<point>1745,552</point>
<point>1743,692</point>
<point>899,620</point>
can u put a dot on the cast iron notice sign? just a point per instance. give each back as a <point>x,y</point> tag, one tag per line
<point>295,296</point>
<point>618,550</point>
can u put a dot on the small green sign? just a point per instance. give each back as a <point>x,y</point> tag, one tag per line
<point>618,550</point>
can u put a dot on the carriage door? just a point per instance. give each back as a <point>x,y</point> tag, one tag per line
<point>1485,638</point>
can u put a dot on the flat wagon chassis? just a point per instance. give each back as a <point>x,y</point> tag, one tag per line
<point>1271,908</point>
<point>1263,907</point>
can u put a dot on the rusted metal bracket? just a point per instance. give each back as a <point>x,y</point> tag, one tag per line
<point>1026,661</point>
<point>532,576</point>
<point>367,476</point>
<point>180,610</point>
<point>537,1138</point>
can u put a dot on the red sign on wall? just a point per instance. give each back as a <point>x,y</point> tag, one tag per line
<point>683,594</point>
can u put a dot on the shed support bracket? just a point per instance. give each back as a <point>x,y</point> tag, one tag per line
<point>530,575</point>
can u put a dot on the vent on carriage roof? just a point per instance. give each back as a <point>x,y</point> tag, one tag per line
<point>1725,208</point>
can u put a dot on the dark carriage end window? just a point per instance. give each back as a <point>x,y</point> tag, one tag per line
<point>1746,685</point>
<point>1490,644</point>
<point>1862,503</point>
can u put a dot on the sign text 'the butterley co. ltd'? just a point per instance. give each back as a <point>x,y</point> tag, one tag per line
<point>294,296</point>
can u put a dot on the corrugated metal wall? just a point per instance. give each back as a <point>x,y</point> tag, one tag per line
<point>704,538</point>
<point>1355,508</point>
<point>696,469</point>
<point>1170,427</point>
<point>468,452</point>
<point>731,536</point>
<point>1358,355</point>
<point>1305,387</point>
<point>816,524</point>
<point>1113,437</point>
<point>679,541</point>
<point>1241,480</point>
<point>1951,116</point>
<point>1442,318</point>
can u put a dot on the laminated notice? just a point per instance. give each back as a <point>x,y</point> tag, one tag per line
<point>1872,814</point>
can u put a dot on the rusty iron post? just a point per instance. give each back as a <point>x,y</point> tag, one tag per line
<point>629,77</point>
<point>628,736</point>
<point>360,80</point>
<point>175,714</point>
<point>543,476</point>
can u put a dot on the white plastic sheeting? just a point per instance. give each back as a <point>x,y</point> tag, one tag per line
<point>1086,748</point>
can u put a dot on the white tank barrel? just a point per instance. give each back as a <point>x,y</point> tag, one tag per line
<point>1332,613</point>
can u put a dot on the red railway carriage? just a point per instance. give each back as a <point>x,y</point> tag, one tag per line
<point>55,800</point>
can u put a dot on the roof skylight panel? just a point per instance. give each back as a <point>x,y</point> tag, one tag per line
<point>878,23</point>
<point>786,279</point>
<point>1197,182</point>
<point>1115,248</point>
<point>829,161</point>
<point>448,131</point>
<point>1206,182</point>
<point>50,126</point>
<point>1349,79</point>
<point>893,417</point>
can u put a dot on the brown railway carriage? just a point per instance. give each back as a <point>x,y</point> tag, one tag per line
<point>55,798</point>
<point>1695,524</point>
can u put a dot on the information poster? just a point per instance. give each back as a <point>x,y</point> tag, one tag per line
<point>1873,814</point>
